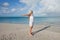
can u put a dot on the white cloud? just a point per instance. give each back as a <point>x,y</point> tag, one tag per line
<point>13,9</point>
<point>28,2</point>
<point>4,10</point>
<point>7,10</point>
<point>40,7</point>
<point>5,4</point>
<point>48,6</point>
<point>21,9</point>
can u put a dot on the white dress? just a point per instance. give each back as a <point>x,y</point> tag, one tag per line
<point>31,20</point>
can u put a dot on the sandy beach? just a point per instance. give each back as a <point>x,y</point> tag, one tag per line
<point>44,31</point>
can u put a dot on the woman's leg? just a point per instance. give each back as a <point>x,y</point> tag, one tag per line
<point>31,30</point>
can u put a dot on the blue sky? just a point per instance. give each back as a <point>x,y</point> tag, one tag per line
<point>15,8</point>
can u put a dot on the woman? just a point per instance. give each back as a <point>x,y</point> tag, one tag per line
<point>31,20</point>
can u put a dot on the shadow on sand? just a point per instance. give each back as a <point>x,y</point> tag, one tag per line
<point>33,33</point>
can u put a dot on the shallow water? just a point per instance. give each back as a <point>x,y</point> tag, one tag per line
<point>24,20</point>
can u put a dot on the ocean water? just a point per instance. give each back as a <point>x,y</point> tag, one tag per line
<point>24,20</point>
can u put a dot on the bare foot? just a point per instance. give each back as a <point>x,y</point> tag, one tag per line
<point>30,34</point>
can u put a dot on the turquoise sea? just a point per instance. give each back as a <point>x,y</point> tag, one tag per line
<point>24,20</point>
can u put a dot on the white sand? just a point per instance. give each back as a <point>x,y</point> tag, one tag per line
<point>20,32</point>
